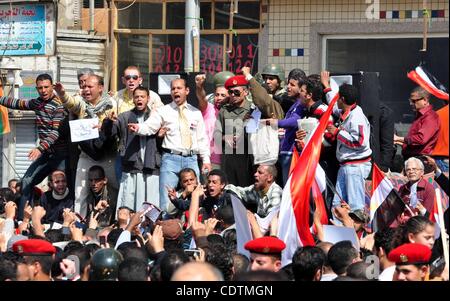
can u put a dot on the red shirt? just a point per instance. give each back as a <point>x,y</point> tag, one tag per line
<point>423,133</point>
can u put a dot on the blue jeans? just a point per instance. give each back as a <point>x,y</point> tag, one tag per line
<point>285,163</point>
<point>171,165</point>
<point>37,172</point>
<point>350,184</point>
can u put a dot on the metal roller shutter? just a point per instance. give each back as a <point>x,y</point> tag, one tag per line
<point>26,136</point>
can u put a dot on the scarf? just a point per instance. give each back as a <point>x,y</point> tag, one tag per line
<point>103,105</point>
<point>60,197</point>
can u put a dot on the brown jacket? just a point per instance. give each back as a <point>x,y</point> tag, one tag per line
<point>269,107</point>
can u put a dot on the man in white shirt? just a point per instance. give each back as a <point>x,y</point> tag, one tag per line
<point>184,140</point>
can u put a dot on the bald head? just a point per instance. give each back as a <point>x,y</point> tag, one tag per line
<point>197,271</point>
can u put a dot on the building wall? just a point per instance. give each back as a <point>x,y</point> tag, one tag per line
<point>295,26</point>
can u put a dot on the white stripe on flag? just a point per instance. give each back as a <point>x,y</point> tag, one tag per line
<point>243,232</point>
<point>320,178</point>
<point>379,195</point>
<point>424,76</point>
<point>287,228</point>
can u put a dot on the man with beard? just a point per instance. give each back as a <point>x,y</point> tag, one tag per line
<point>185,138</point>
<point>57,198</point>
<point>139,155</point>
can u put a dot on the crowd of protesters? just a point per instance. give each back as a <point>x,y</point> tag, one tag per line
<point>152,197</point>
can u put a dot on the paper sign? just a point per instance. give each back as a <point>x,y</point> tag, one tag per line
<point>82,129</point>
<point>164,81</point>
<point>309,125</point>
<point>343,79</point>
<point>336,234</point>
<point>253,123</point>
<point>243,231</point>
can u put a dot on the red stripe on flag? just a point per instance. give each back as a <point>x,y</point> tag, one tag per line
<point>303,176</point>
<point>377,177</point>
<point>412,75</point>
<point>294,160</point>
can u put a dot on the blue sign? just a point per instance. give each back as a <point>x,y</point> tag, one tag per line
<point>22,29</point>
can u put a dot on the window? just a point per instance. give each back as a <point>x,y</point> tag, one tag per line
<point>247,16</point>
<point>175,15</point>
<point>140,15</point>
<point>168,53</point>
<point>392,58</point>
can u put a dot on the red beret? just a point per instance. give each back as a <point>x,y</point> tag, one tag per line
<point>410,254</point>
<point>265,245</point>
<point>33,247</point>
<point>237,80</point>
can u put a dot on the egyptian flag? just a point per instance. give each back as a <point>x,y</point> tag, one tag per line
<point>4,121</point>
<point>385,204</point>
<point>427,81</point>
<point>294,218</point>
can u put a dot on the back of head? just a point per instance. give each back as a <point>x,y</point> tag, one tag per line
<point>360,270</point>
<point>307,262</point>
<point>8,269</point>
<point>133,269</point>
<point>349,93</point>
<point>262,275</point>
<point>222,259</point>
<point>383,239</point>
<point>105,265</point>
<point>341,255</point>
<point>131,250</point>
<point>197,271</point>
<point>171,262</point>
<point>240,264</point>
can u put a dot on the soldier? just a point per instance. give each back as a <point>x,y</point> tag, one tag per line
<point>38,255</point>
<point>105,265</point>
<point>411,261</point>
<point>265,253</point>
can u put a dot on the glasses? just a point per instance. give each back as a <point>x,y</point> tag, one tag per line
<point>134,77</point>
<point>413,169</point>
<point>235,92</point>
<point>415,100</point>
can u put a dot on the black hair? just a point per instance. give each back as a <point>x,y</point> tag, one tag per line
<point>296,73</point>
<point>226,214</point>
<point>240,263</point>
<point>414,225</point>
<point>133,269</point>
<point>341,255</point>
<point>8,269</point>
<point>221,174</point>
<point>7,194</point>
<point>98,171</point>
<point>131,250</point>
<point>141,88</point>
<point>187,170</point>
<point>230,238</point>
<point>288,271</point>
<point>220,257</point>
<point>45,261</point>
<point>349,93</point>
<point>44,76</point>
<point>314,88</point>
<point>306,262</point>
<point>54,235</point>
<point>83,254</point>
<point>359,270</point>
<point>383,239</point>
<point>171,262</point>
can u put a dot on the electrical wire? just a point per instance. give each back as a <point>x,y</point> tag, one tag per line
<point>127,7</point>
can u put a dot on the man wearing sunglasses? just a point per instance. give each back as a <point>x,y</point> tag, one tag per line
<point>132,79</point>
<point>423,133</point>
<point>236,161</point>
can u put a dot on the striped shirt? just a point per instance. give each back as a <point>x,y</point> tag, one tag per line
<point>50,115</point>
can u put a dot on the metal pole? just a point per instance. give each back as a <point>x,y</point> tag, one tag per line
<point>192,24</point>
<point>91,15</point>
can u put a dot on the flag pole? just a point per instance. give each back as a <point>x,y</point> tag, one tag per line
<point>442,227</point>
<point>425,14</point>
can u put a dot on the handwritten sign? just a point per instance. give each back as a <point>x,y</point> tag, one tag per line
<point>24,29</point>
<point>83,129</point>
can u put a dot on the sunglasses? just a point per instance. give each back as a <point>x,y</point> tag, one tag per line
<point>134,77</point>
<point>235,92</point>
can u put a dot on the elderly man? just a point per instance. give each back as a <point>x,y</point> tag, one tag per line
<point>417,194</point>
<point>411,262</point>
<point>183,142</point>
<point>424,131</point>
<point>265,192</point>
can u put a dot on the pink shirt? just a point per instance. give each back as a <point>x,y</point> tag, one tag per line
<point>209,118</point>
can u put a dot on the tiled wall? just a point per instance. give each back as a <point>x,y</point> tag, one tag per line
<point>288,22</point>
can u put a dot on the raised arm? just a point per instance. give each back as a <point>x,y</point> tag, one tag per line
<point>200,92</point>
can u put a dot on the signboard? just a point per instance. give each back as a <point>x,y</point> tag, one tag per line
<point>27,29</point>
